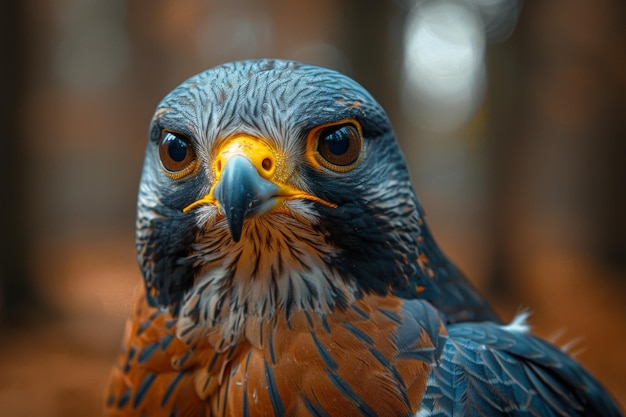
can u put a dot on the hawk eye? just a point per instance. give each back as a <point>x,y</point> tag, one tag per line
<point>339,146</point>
<point>177,155</point>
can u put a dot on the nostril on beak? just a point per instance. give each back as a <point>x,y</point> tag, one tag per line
<point>267,164</point>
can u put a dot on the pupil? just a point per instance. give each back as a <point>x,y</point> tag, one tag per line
<point>338,142</point>
<point>177,149</point>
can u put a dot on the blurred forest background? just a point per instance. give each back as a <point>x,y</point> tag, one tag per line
<point>512,117</point>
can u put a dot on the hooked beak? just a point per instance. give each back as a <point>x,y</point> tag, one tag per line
<point>246,184</point>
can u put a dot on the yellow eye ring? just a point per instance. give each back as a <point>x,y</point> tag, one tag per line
<point>178,158</point>
<point>337,146</point>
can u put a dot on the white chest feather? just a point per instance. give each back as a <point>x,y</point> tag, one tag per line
<point>281,264</point>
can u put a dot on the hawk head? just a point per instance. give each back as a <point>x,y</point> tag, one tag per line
<point>271,187</point>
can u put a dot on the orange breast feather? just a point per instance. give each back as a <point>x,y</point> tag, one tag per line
<point>370,359</point>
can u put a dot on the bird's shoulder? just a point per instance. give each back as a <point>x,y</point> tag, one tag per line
<point>154,370</point>
<point>493,369</point>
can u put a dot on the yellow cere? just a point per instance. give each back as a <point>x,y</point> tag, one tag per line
<point>267,162</point>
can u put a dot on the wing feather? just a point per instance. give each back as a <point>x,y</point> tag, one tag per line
<point>488,369</point>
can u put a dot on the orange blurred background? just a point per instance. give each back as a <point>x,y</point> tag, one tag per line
<point>512,119</point>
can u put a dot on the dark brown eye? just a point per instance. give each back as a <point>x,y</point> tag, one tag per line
<point>177,155</point>
<point>339,147</point>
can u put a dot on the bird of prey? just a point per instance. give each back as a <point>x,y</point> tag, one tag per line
<point>288,270</point>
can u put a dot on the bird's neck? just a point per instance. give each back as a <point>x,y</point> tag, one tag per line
<point>281,265</point>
